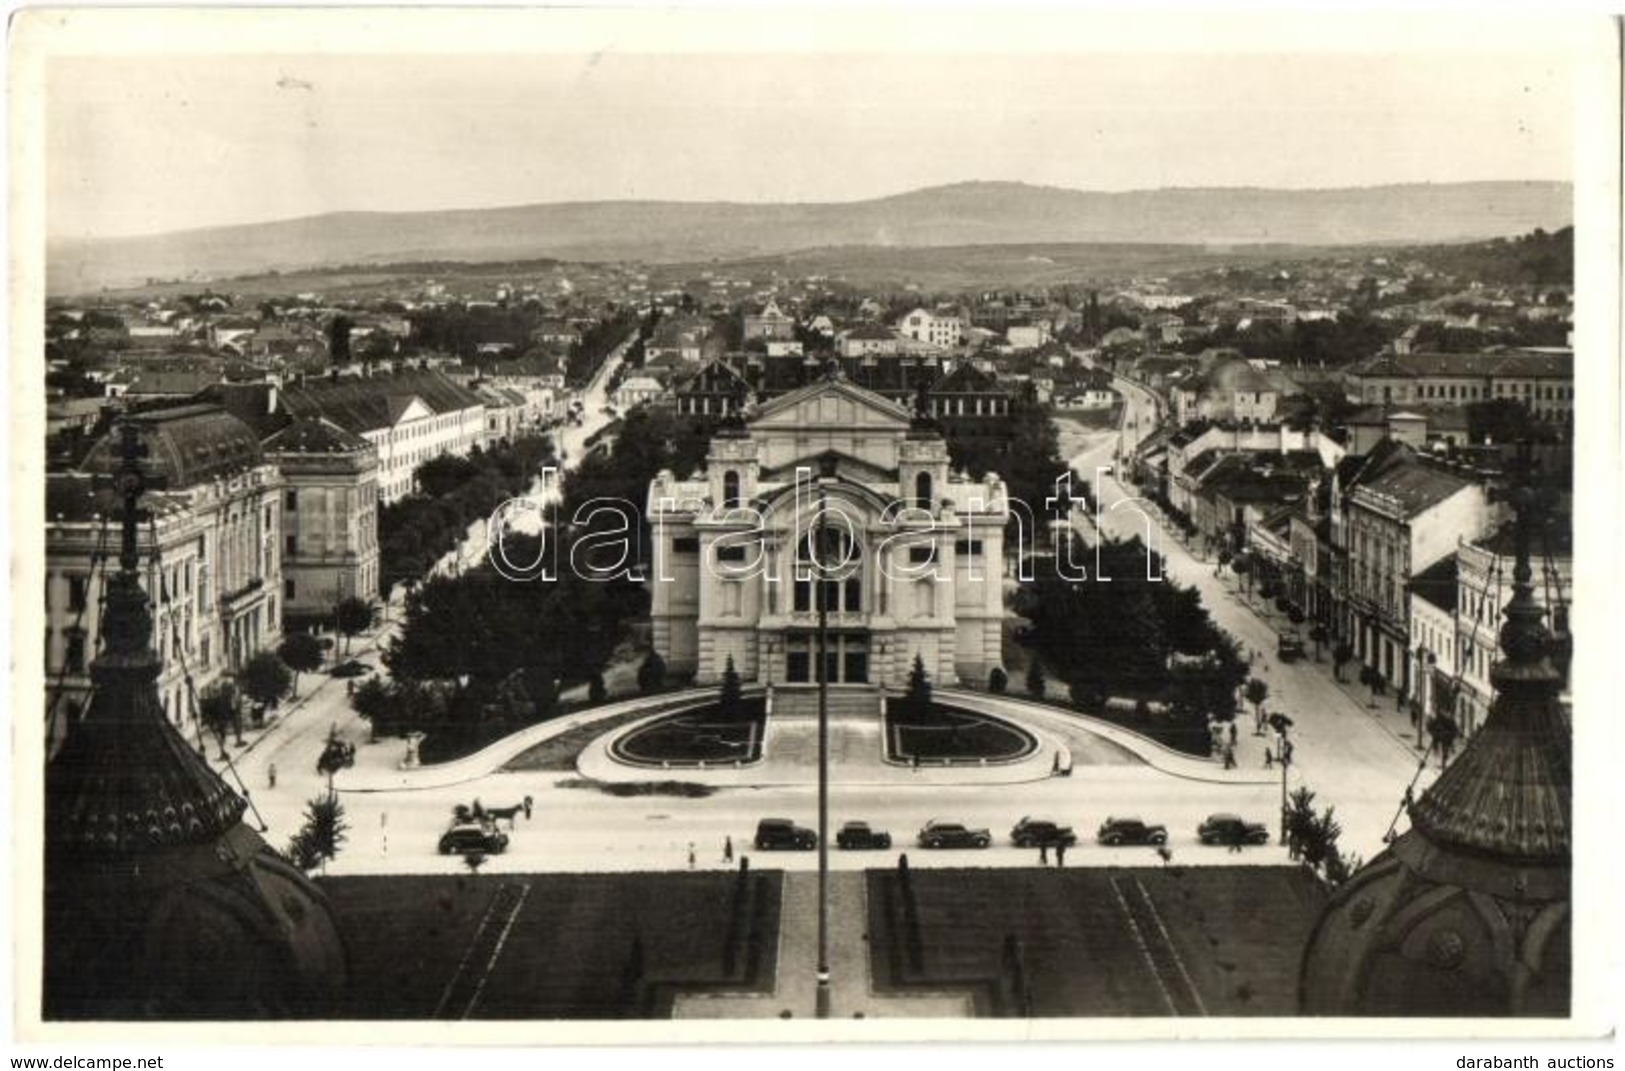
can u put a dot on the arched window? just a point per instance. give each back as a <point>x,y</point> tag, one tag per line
<point>922,490</point>
<point>730,489</point>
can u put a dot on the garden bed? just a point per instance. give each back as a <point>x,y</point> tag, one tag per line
<point>697,736</point>
<point>944,734</point>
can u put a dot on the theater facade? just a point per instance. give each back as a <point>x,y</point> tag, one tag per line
<point>836,495</point>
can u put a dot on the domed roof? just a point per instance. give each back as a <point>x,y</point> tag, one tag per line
<point>159,902</point>
<point>1468,913</point>
<point>1236,374</point>
<point>188,445</point>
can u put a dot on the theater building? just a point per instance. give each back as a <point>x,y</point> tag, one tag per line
<point>920,549</point>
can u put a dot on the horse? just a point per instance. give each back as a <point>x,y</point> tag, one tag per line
<point>510,813</point>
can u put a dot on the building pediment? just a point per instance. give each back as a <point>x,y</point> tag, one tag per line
<point>829,403</point>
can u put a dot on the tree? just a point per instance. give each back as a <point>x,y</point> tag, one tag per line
<point>353,616</point>
<point>1256,692</point>
<point>319,838</point>
<point>217,710</point>
<point>1035,679</point>
<point>652,674</point>
<point>338,754</point>
<point>373,701</point>
<point>918,693</point>
<point>1320,842</point>
<point>1300,818</point>
<point>338,339</point>
<point>1444,731</point>
<point>302,653</point>
<point>730,700</point>
<point>265,679</point>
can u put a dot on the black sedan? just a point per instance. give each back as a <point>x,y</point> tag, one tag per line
<point>1116,831</point>
<point>858,836</point>
<point>936,834</point>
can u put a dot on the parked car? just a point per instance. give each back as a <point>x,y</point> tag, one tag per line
<point>1231,829</point>
<point>935,834</point>
<point>1288,648</point>
<point>775,833</point>
<point>1032,832</point>
<point>352,668</point>
<point>1116,831</point>
<point>472,837</point>
<point>858,835</point>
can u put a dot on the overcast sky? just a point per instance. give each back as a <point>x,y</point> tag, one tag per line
<point>143,144</point>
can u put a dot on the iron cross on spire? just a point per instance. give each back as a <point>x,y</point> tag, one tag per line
<point>131,480</point>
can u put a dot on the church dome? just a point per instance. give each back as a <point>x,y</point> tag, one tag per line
<point>160,903</point>
<point>1468,913</point>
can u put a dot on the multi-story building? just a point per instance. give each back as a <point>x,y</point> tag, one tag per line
<point>1484,585</point>
<point>866,340</point>
<point>216,583</point>
<point>730,575</point>
<point>715,390</point>
<point>1434,628</point>
<point>409,416</point>
<point>1401,514</point>
<point>939,329</point>
<point>769,323</point>
<point>1231,390</point>
<point>1542,380</point>
<point>329,517</point>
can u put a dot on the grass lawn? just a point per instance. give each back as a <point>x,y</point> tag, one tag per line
<point>698,736</point>
<point>1098,942</point>
<point>552,946</point>
<point>950,734</point>
<point>560,752</point>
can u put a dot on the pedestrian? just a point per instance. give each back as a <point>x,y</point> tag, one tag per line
<point>1269,759</point>
<point>270,774</point>
<point>1165,853</point>
<point>1043,855</point>
<point>691,855</point>
<point>1060,855</point>
<point>528,802</point>
<point>1055,767</point>
<point>479,811</point>
<point>1229,758</point>
<point>1235,842</point>
<point>1232,734</point>
<point>727,849</point>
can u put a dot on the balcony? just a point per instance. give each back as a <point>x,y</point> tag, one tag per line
<point>236,600</point>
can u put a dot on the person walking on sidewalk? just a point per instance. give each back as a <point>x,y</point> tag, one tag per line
<point>1060,855</point>
<point>1043,855</point>
<point>691,855</point>
<point>728,849</point>
<point>270,774</point>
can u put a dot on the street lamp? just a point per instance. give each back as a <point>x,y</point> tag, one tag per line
<point>821,588</point>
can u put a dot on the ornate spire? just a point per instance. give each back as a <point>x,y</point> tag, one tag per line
<point>125,779</point>
<point>1509,793</point>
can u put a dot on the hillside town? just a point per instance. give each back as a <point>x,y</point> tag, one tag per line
<point>528,529</point>
<point>1340,424</point>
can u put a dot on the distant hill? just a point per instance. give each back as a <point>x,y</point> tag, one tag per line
<point>965,214</point>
